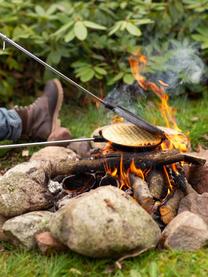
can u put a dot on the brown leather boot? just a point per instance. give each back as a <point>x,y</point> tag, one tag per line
<point>40,119</point>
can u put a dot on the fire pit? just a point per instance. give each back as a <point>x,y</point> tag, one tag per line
<point>135,162</point>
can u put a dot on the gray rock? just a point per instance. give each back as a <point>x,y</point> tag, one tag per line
<point>187,231</point>
<point>21,230</point>
<point>104,222</point>
<point>20,194</point>
<point>198,174</point>
<point>81,148</point>
<point>197,204</point>
<point>37,170</point>
<point>59,158</point>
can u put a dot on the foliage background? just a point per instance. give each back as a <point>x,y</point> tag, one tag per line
<point>90,41</point>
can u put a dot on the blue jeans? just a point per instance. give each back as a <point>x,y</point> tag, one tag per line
<point>10,124</point>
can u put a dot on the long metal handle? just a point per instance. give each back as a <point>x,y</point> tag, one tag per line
<point>10,41</point>
<point>20,145</point>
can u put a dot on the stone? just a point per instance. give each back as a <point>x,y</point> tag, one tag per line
<point>21,230</point>
<point>36,170</point>
<point>20,194</point>
<point>47,244</point>
<point>104,222</point>
<point>187,231</point>
<point>59,158</point>
<point>3,237</point>
<point>197,204</point>
<point>198,175</point>
<point>81,148</point>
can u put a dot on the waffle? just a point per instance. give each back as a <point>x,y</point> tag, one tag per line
<point>127,134</point>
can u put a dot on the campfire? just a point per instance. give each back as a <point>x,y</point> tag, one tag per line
<point>132,185</point>
<point>149,167</point>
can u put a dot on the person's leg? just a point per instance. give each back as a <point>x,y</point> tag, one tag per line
<point>38,120</point>
<point>10,125</point>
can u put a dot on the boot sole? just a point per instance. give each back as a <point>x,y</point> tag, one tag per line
<point>56,120</point>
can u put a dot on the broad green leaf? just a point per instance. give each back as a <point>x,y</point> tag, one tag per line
<point>123,25</point>
<point>93,25</point>
<point>115,28</point>
<point>79,64</point>
<point>82,71</point>
<point>116,78</point>
<point>80,30</point>
<point>63,29</point>
<point>39,10</point>
<point>145,21</point>
<point>51,9</point>
<point>204,45</point>
<point>98,76</point>
<point>69,36</point>
<point>128,78</point>
<point>133,29</point>
<point>87,76</point>
<point>100,70</point>
<point>54,57</point>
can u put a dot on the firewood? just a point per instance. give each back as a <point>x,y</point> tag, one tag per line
<point>141,160</point>
<point>156,182</point>
<point>182,183</point>
<point>141,193</point>
<point>169,210</point>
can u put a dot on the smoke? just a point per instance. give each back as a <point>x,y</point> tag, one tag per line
<point>177,65</point>
<point>181,65</point>
<point>126,96</point>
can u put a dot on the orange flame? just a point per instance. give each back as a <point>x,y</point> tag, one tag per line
<point>137,63</point>
<point>123,175</point>
<point>135,170</point>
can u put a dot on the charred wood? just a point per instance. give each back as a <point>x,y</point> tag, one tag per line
<point>182,183</point>
<point>169,210</point>
<point>141,160</point>
<point>141,193</point>
<point>156,182</point>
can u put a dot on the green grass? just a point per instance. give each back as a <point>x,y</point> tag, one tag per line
<point>151,264</point>
<point>192,116</point>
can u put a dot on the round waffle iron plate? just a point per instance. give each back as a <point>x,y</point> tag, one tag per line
<point>130,135</point>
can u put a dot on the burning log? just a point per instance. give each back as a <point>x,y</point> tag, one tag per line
<point>169,210</point>
<point>141,193</point>
<point>156,182</point>
<point>182,183</point>
<point>142,160</point>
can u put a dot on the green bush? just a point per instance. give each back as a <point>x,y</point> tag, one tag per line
<point>91,40</point>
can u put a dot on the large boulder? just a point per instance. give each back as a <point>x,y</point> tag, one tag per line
<point>20,194</point>
<point>187,231</point>
<point>21,230</point>
<point>104,222</point>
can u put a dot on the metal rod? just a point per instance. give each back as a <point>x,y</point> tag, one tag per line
<point>10,41</point>
<point>20,145</point>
